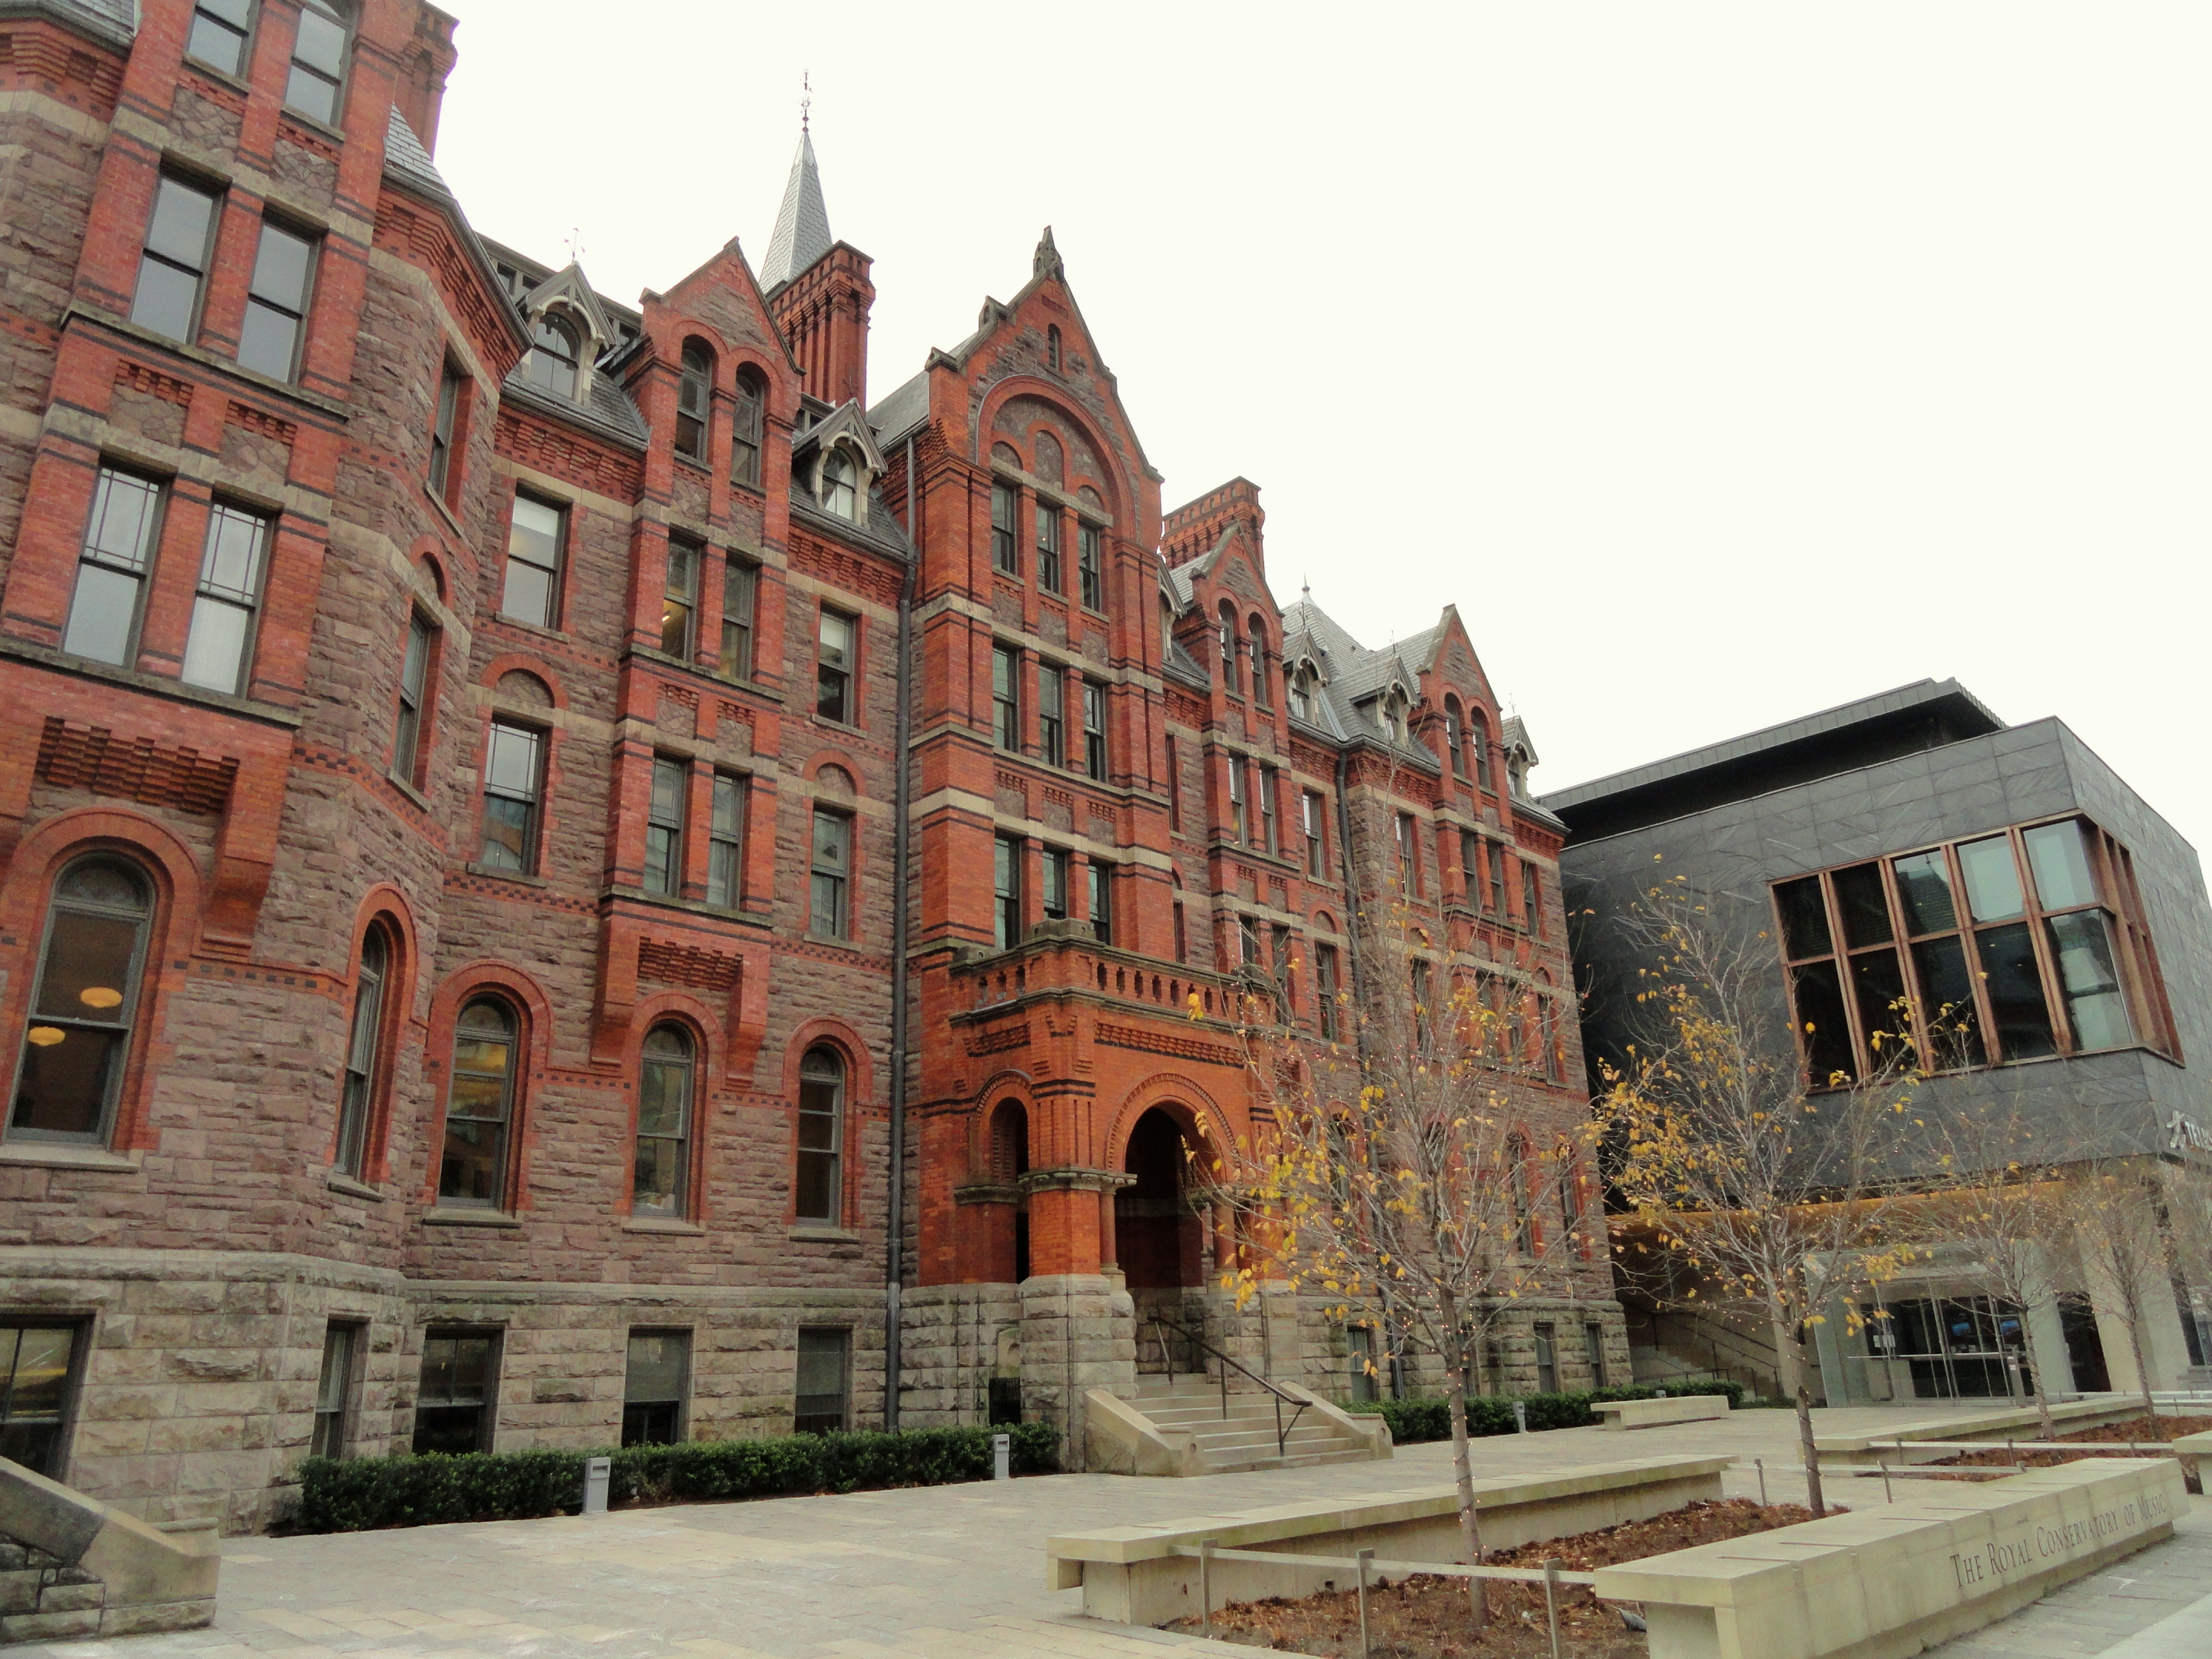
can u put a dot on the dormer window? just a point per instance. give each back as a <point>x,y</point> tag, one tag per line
<point>841,492</point>
<point>1390,713</point>
<point>553,356</point>
<point>1302,692</point>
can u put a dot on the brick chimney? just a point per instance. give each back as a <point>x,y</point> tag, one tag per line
<point>1192,529</point>
<point>423,67</point>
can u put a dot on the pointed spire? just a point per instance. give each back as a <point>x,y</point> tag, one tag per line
<point>1047,260</point>
<point>802,224</point>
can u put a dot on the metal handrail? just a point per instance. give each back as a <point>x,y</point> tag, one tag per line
<point>1162,1325</point>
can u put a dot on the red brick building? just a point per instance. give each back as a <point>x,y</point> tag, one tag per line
<point>473,959</point>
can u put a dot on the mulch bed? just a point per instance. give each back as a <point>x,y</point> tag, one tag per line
<point>1425,1616</point>
<point>2140,1431</point>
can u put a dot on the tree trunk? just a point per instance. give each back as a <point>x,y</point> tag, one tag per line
<point>2128,1311</point>
<point>1462,1472</point>
<point>1800,1394</point>
<point>2035,1376</point>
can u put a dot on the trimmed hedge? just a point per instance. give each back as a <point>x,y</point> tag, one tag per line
<point>361,1493</point>
<point>1425,1417</point>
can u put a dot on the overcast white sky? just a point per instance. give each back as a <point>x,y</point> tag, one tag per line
<point>1721,362</point>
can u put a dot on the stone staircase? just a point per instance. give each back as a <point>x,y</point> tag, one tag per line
<point>1190,1408</point>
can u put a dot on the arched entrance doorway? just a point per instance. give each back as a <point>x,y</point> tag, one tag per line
<point>1157,1233</point>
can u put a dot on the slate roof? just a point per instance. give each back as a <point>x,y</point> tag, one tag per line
<point>881,533</point>
<point>902,411</point>
<point>802,223</point>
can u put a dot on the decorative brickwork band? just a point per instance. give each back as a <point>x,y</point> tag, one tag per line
<point>1159,1043</point>
<point>687,964</point>
<point>73,756</point>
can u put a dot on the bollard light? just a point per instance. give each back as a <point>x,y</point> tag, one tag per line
<point>597,1471</point>
<point>1002,1457</point>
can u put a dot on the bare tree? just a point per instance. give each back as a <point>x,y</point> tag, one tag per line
<point>1392,1174</point>
<point>2113,1212</point>
<point>1789,1195</point>
<point>2186,1192</point>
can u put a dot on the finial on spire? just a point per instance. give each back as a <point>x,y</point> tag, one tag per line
<point>575,241</point>
<point>1046,261</point>
<point>805,98</point>
<point>1305,589</point>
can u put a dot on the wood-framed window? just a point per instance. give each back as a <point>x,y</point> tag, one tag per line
<point>536,534</point>
<point>319,53</point>
<point>1455,738</point>
<point>837,643</point>
<point>1532,899</point>
<point>740,599</point>
<point>334,1390</point>
<point>1052,713</point>
<point>726,843</point>
<point>1236,814</point>
<point>1094,731</point>
<point>664,825</point>
<point>656,1375</point>
<point>1225,628</point>
<point>1302,683</point>
<point>514,775</point>
<point>1479,739</point>
<point>364,1056</point>
<point>1182,934</point>
<point>414,690</point>
<point>276,300</point>
<point>2012,946</point>
<point>1175,785</point>
<point>445,435</point>
<point>819,1401</point>
<point>1325,988</point>
<point>1259,650</point>
<point>457,1395</point>
<point>746,420</point>
<point>1090,564</point>
<point>114,563</point>
<point>1055,864</point>
<point>39,1364</point>
<point>1313,811</point>
<point>1006,511</point>
<point>1005,698</point>
<point>1101,901</point>
<point>1050,576</point>
<point>1409,854</point>
<point>695,380</point>
<point>840,485</point>
<point>818,1183</point>
<point>1267,809</point>
<point>172,269</point>
<point>555,349</point>
<point>219,647</point>
<point>220,30</point>
<point>84,1007</point>
<point>480,1106</point>
<point>1495,856</point>
<point>665,1090</point>
<point>679,596</point>
<point>829,892</point>
<point>1006,857</point>
<point>1247,942</point>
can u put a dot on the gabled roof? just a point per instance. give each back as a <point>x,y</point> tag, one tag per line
<point>802,223</point>
<point>845,421</point>
<point>569,283</point>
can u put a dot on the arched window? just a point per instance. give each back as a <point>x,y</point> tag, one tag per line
<point>1009,1142</point>
<point>1301,691</point>
<point>663,1123</point>
<point>841,484</point>
<point>692,397</point>
<point>553,355</point>
<point>745,441</point>
<point>1478,737</point>
<point>821,1136</point>
<point>1258,631</point>
<point>84,1004</point>
<point>479,1106</point>
<point>317,61</point>
<point>1390,714</point>
<point>1455,738</point>
<point>364,1042</point>
<point>1227,629</point>
<point>1052,347</point>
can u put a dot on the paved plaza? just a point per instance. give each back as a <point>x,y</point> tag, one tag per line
<point>959,1571</point>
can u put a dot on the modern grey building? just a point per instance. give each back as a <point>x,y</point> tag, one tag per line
<point>1913,844</point>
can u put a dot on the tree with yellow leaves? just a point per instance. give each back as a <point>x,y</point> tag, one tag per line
<point>1784,1192</point>
<point>1391,1173</point>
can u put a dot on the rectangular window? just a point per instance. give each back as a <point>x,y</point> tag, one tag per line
<point>1547,1364</point>
<point>1101,901</point>
<point>1497,857</point>
<point>1409,858</point>
<point>1310,807</point>
<point>725,844</point>
<point>1325,988</point>
<point>740,592</point>
<point>1005,507</point>
<point>1267,809</point>
<point>818,1405</point>
<point>513,767</point>
<point>653,1385</point>
<point>174,267</point>
<point>35,1364</point>
<point>458,1393</point>
<point>1181,936</point>
<point>663,827</point>
<point>1174,786</point>
<point>1005,698</point>
<point>679,597</point>
<point>219,33</point>
<point>833,668</point>
<point>1052,715</point>
<point>820,1194</point>
<point>318,62</point>
<point>1360,1340</point>
<point>1247,943</point>
<point>1237,796</point>
<point>1006,891</point>
<point>829,913</point>
<point>334,1390</point>
<point>276,303</point>
<point>534,539</point>
<point>1055,903</point>
<point>219,648</point>
<point>1094,730</point>
<point>445,432</point>
<point>1090,563</point>
<point>112,564</point>
<point>1532,900</point>
<point>1047,548</point>
<point>1593,1342</point>
<point>414,672</point>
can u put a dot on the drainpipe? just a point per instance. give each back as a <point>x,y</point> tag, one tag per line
<point>1359,1003</point>
<point>894,1265</point>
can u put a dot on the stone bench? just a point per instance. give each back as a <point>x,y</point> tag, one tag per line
<point>1898,1577</point>
<point>2193,1451</point>
<point>1131,1575</point>
<point>1996,1425</point>
<point>1649,1414</point>
<point>96,1571</point>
